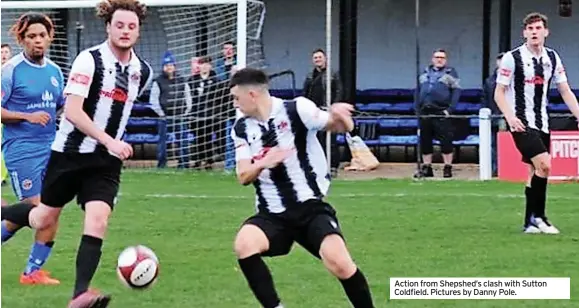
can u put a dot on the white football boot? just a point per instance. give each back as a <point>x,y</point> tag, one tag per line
<point>545,226</point>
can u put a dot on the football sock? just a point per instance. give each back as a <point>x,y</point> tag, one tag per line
<point>539,186</point>
<point>17,213</point>
<point>6,235</point>
<point>529,207</point>
<point>38,256</point>
<point>357,290</point>
<point>260,281</point>
<point>87,261</point>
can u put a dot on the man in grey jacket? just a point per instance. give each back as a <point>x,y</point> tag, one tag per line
<point>315,90</point>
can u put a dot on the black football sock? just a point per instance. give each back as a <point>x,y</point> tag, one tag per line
<point>260,280</point>
<point>358,291</point>
<point>87,261</point>
<point>529,205</point>
<point>17,213</point>
<point>539,186</point>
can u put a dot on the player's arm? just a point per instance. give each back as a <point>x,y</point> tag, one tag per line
<point>567,95</point>
<point>337,120</point>
<point>77,88</point>
<point>9,116</point>
<point>504,79</point>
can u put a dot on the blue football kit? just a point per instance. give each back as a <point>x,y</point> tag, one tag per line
<point>28,87</point>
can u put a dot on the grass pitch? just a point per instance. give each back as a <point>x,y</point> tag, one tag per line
<point>393,228</point>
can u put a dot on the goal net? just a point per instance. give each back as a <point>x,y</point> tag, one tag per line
<point>204,40</point>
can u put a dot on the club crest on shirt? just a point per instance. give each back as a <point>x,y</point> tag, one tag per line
<point>135,77</point>
<point>26,184</point>
<point>54,81</point>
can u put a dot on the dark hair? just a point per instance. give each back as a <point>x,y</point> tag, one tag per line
<point>107,8</point>
<point>228,43</point>
<point>6,45</point>
<point>319,50</point>
<point>21,25</point>
<point>534,17</point>
<point>249,76</point>
<point>500,55</point>
<point>204,59</point>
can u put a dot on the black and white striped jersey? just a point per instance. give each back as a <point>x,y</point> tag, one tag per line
<point>529,78</point>
<point>293,124</point>
<point>109,89</point>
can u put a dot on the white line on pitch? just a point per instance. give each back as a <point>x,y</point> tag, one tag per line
<point>353,195</point>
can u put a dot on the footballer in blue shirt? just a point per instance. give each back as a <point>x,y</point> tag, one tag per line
<point>32,88</point>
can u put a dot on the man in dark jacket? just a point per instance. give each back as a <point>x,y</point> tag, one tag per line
<point>171,100</point>
<point>315,90</point>
<point>488,101</point>
<point>437,95</point>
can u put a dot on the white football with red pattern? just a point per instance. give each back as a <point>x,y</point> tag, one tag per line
<point>138,267</point>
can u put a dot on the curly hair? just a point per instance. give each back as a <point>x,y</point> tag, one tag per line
<point>26,20</point>
<point>107,8</point>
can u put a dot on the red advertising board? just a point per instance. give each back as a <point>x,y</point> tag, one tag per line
<point>564,154</point>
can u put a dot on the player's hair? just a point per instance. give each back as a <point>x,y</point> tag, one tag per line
<point>107,8</point>
<point>26,20</point>
<point>534,17</point>
<point>249,77</point>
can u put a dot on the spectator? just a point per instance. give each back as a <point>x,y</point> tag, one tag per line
<point>205,101</point>
<point>171,100</point>
<point>315,89</point>
<point>437,95</point>
<point>224,65</point>
<point>488,101</point>
<point>6,53</point>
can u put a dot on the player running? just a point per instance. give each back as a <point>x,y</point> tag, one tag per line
<point>278,152</point>
<point>523,83</point>
<point>31,93</point>
<point>87,153</point>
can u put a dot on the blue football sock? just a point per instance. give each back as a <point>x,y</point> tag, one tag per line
<point>38,256</point>
<point>6,235</point>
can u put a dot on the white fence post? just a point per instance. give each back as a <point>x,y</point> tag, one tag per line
<point>484,149</point>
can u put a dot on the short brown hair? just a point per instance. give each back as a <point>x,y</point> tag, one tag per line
<point>107,8</point>
<point>21,25</point>
<point>534,17</point>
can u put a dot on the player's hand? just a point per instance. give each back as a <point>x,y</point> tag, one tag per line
<point>275,156</point>
<point>120,148</point>
<point>516,124</point>
<point>342,109</point>
<point>38,117</point>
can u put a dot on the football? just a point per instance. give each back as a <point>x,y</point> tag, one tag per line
<point>138,267</point>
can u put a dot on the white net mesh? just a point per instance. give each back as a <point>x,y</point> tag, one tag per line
<point>187,133</point>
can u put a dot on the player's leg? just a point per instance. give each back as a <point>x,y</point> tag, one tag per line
<point>260,236</point>
<point>97,196</point>
<point>322,237</point>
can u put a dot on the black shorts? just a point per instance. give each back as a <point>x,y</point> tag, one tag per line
<point>531,143</point>
<point>307,223</point>
<point>88,177</point>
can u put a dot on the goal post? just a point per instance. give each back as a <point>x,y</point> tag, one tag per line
<point>189,30</point>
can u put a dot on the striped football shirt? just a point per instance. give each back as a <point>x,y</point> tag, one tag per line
<point>109,89</point>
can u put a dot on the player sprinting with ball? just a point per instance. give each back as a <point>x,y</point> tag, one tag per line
<point>87,153</point>
<point>31,94</point>
<point>523,82</point>
<point>278,152</point>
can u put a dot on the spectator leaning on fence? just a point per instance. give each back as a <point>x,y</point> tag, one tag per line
<point>488,101</point>
<point>437,95</point>
<point>315,90</point>
<point>171,100</point>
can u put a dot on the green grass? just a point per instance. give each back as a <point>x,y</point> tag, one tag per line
<point>393,229</point>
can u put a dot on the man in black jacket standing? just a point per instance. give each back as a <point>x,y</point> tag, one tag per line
<point>315,90</point>
<point>171,100</point>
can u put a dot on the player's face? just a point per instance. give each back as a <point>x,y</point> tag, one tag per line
<point>6,54</point>
<point>244,98</point>
<point>439,59</point>
<point>536,33</point>
<point>319,59</point>
<point>36,41</point>
<point>123,30</point>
